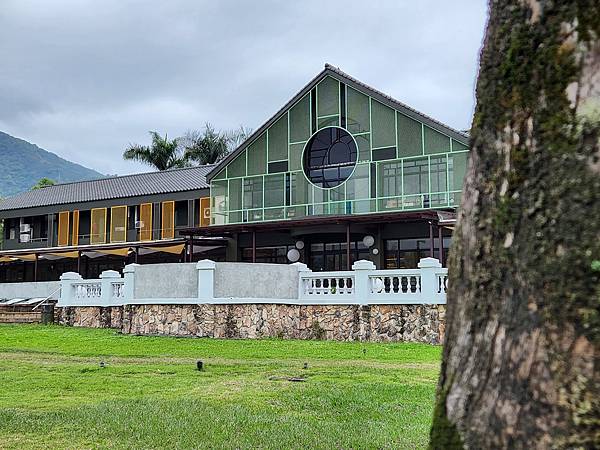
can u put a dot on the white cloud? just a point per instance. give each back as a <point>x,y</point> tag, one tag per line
<point>85,78</point>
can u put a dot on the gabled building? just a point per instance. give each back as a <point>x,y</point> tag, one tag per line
<point>97,225</point>
<point>342,172</point>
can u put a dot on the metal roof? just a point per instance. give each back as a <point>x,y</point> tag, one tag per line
<point>141,184</point>
<point>339,75</point>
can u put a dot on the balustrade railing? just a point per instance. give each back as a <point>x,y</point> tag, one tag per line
<point>363,285</point>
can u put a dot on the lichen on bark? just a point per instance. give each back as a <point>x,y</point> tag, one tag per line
<point>522,353</point>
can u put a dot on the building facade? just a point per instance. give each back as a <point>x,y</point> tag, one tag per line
<point>97,225</point>
<point>342,172</point>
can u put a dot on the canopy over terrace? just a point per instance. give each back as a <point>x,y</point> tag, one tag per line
<point>435,219</point>
<point>183,247</point>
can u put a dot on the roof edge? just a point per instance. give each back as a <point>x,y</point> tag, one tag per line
<point>338,74</point>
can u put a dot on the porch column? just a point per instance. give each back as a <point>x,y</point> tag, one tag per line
<point>35,268</point>
<point>431,241</point>
<point>348,264</point>
<point>79,262</point>
<point>441,241</point>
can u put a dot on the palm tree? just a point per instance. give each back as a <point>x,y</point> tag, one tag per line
<point>42,183</point>
<point>162,153</point>
<point>210,146</point>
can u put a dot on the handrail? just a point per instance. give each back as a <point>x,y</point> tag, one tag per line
<point>46,299</point>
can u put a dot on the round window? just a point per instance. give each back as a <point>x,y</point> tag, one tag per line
<point>329,157</point>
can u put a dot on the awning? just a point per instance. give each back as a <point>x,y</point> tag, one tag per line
<point>61,255</point>
<point>174,249</point>
<point>28,257</point>
<point>123,251</point>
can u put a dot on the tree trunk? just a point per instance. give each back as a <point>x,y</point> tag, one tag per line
<point>521,361</point>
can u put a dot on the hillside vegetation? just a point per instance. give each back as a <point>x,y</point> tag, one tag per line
<point>24,163</point>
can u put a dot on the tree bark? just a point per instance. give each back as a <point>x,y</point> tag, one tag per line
<point>521,360</point>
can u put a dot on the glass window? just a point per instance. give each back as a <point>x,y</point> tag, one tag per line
<point>384,125</point>
<point>301,189</point>
<point>405,253</point>
<point>118,224</point>
<point>457,166</point>
<point>218,195</point>
<point>253,193</point>
<point>63,228</point>
<point>257,156</point>
<point>438,174</point>
<point>435,142</point>
<point>364,147</point>
<point>330,157</point>
<point>300,120</point>
<point>235,194</point>
<point>416,177</point>
<point>328,97</point>
<point>278,139</point>
<point>358,187</point>
<point>269,255</point>
<point>274,190</point>
<point>332,121</point>
<point>296,156</point>
<point>391,179</point>
<point>458,146</point>
<point>98,226</point>
<point>237,167</point>
<point>358,119</point>
<point>410,139</point>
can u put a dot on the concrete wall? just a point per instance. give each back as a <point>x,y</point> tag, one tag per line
<point>378,323</point>
<point>29,290</point>
<point>175,280</point>
<point>232,280</point>
<point>258,281</point>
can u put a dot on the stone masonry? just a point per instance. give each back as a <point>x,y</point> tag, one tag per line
<point>376,323</point>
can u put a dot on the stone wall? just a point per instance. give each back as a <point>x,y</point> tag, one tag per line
<point>376,323</point>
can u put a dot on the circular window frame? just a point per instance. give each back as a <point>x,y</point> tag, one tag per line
<point>304,149</point>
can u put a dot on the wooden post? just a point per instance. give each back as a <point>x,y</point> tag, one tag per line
<point>441,239</point>
<point>348,263</point>
<point>431,243</point>
<point>253,246</point>
<point>79,262</point>
<point>35,268</point>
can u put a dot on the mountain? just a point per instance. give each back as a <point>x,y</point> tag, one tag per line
<point>23,164</point>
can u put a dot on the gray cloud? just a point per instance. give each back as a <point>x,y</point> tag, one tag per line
<point>84,78</point>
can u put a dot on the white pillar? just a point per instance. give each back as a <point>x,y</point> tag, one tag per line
<point>429,283</point>
<point>206,280</point>
<point>129,283</point>
<point>66,288</point>
<point>362,289</point>
<point>302,269</point>
<point>106,279</point>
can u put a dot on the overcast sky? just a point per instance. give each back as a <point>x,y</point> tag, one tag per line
<point>83,78</point>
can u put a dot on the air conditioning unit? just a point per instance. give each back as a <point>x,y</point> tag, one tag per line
<point>25,228</point>
<point>139,224</point>
<point>25,238</point>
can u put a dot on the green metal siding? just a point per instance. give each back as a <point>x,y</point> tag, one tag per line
<point>402,164</point>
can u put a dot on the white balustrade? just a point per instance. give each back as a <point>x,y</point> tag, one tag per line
<point>327,284</point>
<point>363,285</point>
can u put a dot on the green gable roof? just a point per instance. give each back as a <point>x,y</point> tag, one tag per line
<point>336,73</point>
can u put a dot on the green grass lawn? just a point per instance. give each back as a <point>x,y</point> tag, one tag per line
<point>53,392</point>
